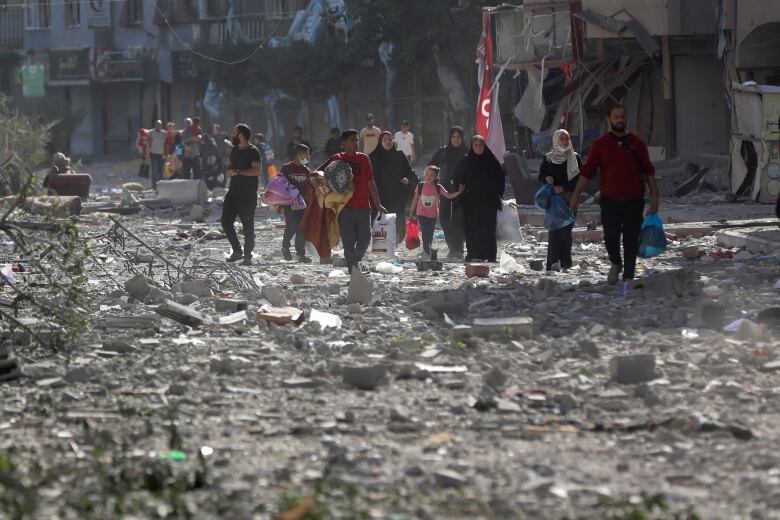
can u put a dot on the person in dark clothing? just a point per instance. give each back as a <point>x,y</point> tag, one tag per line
<point>241,199</point>
<point>394,179</point>
<point>298,174</point>
<point>297,138</point>
<point>333,145</point>
<point>483,179</point>
<point>625,169</point>
<point>561,168</point>
<point>450,211</point>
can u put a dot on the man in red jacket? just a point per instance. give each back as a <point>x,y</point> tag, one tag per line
<point>625,169</point>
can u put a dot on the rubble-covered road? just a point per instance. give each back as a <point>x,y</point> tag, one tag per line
<point>581,401</point>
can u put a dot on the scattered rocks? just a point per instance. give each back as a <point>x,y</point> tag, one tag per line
<point>632,369</point>
<point>363,377</point>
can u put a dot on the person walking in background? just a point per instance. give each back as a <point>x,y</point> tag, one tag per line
<point>296,138</point>
<point>394,179</point>
<point>333,145</point>
<point>355,218</point>
<point>157,140</point>
<point>404,140</point>
<point>425,206</point>
<point>191,138</point>
<point>241,200</point>
<point>298,174</point>
<point>369,135</point>
<point>625,169</point>
<point>561,169</point>
<point>268,157</point>
<point>483,180</point>
<point>450,212</point>
<point>222,141</point>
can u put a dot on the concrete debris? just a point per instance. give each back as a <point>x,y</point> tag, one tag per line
<point>138,287</point>
<point>517,326</point>
<point>363,377</point>
<point>477,270</point>
<point>181,313</point>
<point>360,288</point>
<point>274,294</point>
<point>230,305</point>
<point>280,315</point>
<point>632,369</point>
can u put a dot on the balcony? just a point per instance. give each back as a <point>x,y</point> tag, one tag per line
<point>249,28</point>
<point>11,28</point>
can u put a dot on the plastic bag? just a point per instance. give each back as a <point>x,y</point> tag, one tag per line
<point>544,196</point>
<point>652,239</point>
<point>412,234</point>
<point>558,214</point>
<point>508,223</point>
<point>383,235</point>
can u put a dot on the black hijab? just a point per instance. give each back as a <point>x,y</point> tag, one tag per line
<point>482,175</point>
<point>389,167</point>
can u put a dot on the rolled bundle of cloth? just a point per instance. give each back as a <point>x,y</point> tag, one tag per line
<point>281,193</point>
<point>320,223</point>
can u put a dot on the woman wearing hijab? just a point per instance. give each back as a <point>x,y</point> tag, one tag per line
<point>483,180</point>
<point>561,168</point>
<point>394,179</point>
<point>450,211</point>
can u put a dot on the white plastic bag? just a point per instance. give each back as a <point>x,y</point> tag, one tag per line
<point>383,235</point>
<point>508,223</point>
<point>388,268</point>
<point>508,265</point>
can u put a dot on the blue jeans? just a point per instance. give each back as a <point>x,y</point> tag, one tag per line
<point>427,228</point>
<point>156,169</point>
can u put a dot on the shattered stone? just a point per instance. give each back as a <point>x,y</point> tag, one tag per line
<point>708,315</point>
<point>565,402</point>
<point>199,288</point>
<point>516,326</point>
<point>181,313</point>
<point>494,378</point>
<point>477,270</point>
<point>274,294</point>
<point>297,279</point>
<point>77,375</point>
<point>302,382</point>
<point>363,377</point>
<point>138,287</point>
<point>360,288</point>
<point>449,479</point>
<point>280,315</point>
<point>451,302</point>
<point>230,305</point>
<point>632,369</point>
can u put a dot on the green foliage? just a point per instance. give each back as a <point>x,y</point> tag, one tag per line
<point>304,71</point>
<point>22,147</point>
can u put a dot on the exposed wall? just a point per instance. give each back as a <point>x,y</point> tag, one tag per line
<point>653,14</point>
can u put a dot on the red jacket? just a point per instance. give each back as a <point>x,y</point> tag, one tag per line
<point>624,163</point>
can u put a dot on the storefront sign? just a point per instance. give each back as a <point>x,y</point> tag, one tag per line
<point>32,81</point>
<point>69,65</point>
<point>98,14</point>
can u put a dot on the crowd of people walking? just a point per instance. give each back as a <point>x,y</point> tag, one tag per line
<point>369,172</point>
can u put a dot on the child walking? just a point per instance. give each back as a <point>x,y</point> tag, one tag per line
<point>425,206</point>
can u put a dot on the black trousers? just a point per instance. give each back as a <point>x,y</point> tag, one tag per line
<point>292,228</point>
<point>623,218</point>
<point>242,206</point>
<point>559,244</point>
<point>191,168</point>
<point>451,219</point>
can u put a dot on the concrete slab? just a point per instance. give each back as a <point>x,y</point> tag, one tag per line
<point>758,241</point>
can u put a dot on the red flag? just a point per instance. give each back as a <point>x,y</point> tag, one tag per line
<point>485,77</point>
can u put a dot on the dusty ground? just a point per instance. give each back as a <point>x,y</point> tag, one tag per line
<point>514,425</point>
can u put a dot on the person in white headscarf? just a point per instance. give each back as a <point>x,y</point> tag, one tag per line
<point>560,168</point>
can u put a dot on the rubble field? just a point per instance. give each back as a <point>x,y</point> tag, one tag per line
<point>200,389</point>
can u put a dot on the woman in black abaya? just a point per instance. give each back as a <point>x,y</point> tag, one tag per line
<point>395,180</point>
<point>450,212</point>
<point>483,179</point>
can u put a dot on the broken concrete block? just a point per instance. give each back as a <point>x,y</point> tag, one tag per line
<point>302,382</point>
<point>199,288</point>
<point>680,282</point>
<point>180,313</point>
<point>363,377</point>
<point>280,315</point>
<point>334,289</point>
<point>708,315</point>
<point>361,288</point>
<point>632,369</point>
<point>144,322</point>
<point>297,279</point>
<point>138,287</point>
<point>477,270</point>
<point>536,265</point>
<point>452,302</point>
<point>230,305</point>
<point>274,294</point>
<point>515,326</point>
<point>77,375</point>
<point>429,265</point>
<point>183,191</point>
<point>449,479</point>
<point>494,378</point>
<point>197,213</point>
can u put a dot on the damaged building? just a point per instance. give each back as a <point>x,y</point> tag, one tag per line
<point>674,64</point>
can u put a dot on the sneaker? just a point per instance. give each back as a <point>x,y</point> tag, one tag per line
<point>236,256</point>
<point>247,260</point>
<point>556,267</point>
<point>286,253</point>
<point>303,259</point>
<point>614,274</point>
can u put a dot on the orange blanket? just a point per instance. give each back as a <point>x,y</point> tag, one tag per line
<point>320,223</point>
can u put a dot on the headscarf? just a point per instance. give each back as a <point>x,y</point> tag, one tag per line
<point>559,155</point>
<point>389,167</point>
<point>483,176</point>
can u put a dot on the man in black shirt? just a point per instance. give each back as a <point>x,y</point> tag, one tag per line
<point>241,200</point>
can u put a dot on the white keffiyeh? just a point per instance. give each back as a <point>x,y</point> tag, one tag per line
<point>559,155</point>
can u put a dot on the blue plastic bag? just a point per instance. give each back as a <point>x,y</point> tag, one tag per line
<point>558,215</point>
<point>544,196</point>
<point>652,239</point>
